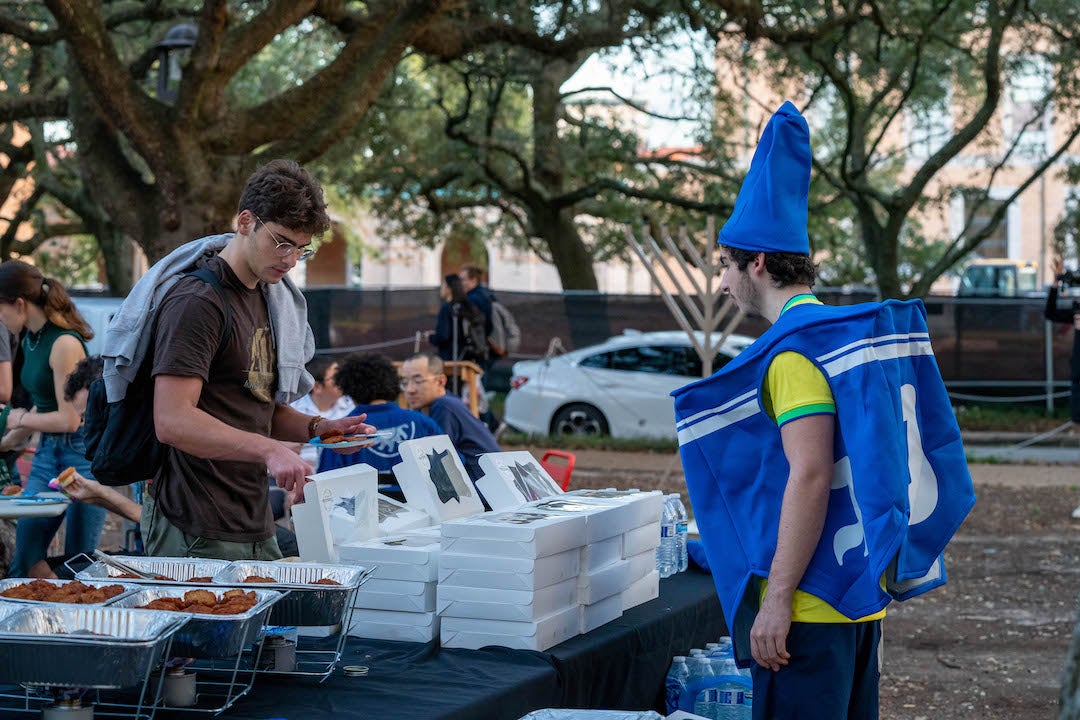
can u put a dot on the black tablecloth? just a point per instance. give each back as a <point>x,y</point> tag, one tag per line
<point>620,665</point>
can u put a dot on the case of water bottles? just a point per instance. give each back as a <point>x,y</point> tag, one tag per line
<point>707,682</point>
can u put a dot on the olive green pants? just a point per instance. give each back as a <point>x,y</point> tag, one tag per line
<point>163,539</point>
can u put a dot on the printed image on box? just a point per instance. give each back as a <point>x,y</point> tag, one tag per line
<point>402,557</point>
<point>434,480</point>
<point>339,507</point>
<point>538,534</point>
<point>396,517</point>
<point>514,478</point>
<point>643,506</point>
<point>602,520</point>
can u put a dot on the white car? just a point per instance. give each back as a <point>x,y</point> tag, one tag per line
<point>620,387</point>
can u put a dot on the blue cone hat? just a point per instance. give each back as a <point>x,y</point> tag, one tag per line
<point>770,212</point>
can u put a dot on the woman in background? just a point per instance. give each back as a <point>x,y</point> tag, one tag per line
<point>55,342</point>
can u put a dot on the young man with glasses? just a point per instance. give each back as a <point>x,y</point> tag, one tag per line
<point>423,381</point>
<point>224,374</point>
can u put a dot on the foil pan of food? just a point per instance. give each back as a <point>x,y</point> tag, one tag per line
<point>66,592</point>
<point>163,570</point>
<point>223,621</point>
<point>84,646</point>
<point>318,594</point>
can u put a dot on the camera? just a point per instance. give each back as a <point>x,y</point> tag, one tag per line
<point>1069,278</point>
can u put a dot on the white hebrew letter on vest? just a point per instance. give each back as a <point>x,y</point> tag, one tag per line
<point>850,536</point>
<point>923,489</point>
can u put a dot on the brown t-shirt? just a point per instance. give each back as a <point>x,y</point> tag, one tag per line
<point>218,499</point>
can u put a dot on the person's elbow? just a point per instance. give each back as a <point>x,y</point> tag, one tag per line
<point>166,428</point>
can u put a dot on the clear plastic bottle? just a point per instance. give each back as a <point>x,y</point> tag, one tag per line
<point>704,700</point>
<point>682,520</point>
<point>733,685</point>
<point>675,683</point>
<point>666,560</point>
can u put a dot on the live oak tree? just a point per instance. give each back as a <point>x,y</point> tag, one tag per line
<point>863,70</point>
<point>162,173</point>
<point>482,134</point>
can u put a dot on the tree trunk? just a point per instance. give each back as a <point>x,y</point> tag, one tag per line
<point>119,262</point>
<point>571,258</point>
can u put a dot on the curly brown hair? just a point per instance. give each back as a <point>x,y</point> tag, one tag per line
<point>783,267</point>
<point>282,191</point>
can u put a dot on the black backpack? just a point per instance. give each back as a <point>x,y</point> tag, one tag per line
<point>121,442</point>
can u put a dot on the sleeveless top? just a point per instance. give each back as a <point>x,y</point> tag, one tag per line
<point>37,375</point>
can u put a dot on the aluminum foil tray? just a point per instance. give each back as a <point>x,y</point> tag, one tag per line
<point>208,636</point>
<point>8,583</point>
<point>10,608</point>
<point>181,569</point>
<point>307,603</point>
<point>84,646</point>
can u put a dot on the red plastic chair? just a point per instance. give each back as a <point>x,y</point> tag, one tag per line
<point>23,463</point>
<point>560,472</point>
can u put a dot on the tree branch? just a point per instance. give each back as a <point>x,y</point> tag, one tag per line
<point>20,107</point>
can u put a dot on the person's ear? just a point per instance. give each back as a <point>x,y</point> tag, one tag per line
<point>245,222</point>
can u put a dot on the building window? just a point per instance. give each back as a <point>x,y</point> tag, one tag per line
<point>997,244</point>
<point>1027,110</point>
<point>929,128</point>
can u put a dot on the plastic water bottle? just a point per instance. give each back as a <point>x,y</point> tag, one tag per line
<point>682,560</point>
<point>734,688</point>
<point>666,560</point>
<point>675,683</point>
<point>704,700</point>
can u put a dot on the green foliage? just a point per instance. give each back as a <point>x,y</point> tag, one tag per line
<point>73,261</point>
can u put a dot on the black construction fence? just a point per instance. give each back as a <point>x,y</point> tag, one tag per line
<point>987,348</point>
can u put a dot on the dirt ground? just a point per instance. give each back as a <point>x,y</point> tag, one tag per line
<point>992,642</point>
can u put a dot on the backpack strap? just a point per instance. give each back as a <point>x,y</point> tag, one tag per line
<point>215,282</point>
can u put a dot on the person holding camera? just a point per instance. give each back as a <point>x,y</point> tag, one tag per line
<point>1072,316</point>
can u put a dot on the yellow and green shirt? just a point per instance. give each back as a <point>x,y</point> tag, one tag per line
<point>795,388</point>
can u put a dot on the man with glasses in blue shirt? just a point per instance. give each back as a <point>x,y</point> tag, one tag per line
<point>220,387</point>
<point>423,380</point>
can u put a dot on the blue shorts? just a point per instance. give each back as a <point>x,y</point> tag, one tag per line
<point>832,674</point>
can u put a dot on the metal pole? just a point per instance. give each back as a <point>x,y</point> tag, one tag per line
<point>1048,363</point>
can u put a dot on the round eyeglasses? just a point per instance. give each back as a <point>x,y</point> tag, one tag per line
<point>285,248</point>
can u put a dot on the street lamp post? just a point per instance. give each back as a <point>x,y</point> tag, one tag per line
<point>172,49</point>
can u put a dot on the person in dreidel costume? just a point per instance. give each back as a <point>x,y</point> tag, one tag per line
<point>824,464</point>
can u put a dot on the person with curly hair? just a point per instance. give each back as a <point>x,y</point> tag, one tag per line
<point>373,383</point>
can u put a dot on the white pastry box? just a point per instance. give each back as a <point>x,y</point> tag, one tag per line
<point>600,553</point>
<point>641,565</point>
<point>600,613</point>
<point>396,517</point>
<point>508,605</point>
<point>514,478</point>
<point>340,506</point>
<point>401,595</point>
<point>539,635</point>
<point>514,533</point>
<point>508,573</point>
<point>601,521</point>
<point>641,591</point>
<point>641,539</point>
<point>434,480</point>
<point>605,582</point>
<point>390,625</point>
<point>643,506</point>
<point>402,557</point>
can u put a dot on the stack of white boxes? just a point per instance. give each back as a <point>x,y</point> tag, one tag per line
<point>605,575</point>
<point>510,578</point>
<point>398,601</point>
<point>639,542</point>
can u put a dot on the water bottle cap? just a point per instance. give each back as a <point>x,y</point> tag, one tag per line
<point>711,646</point>
<point>696,652</point>
<point>679,658</point>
